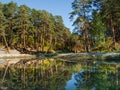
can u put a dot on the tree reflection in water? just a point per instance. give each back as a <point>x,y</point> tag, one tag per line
<point>103,76</point>
<point>55,74</point>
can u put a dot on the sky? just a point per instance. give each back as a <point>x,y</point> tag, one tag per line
<point>56,7</point>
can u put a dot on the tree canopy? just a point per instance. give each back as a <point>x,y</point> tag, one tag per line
<point>29,29</point>
<point>97,21</point>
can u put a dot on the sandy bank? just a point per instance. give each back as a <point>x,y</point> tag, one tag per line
<point>13,58</point>
<point>15,55</point>
<point>8,59</point>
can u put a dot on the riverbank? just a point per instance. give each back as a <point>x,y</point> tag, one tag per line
<point>13,58</point>
<point>90,56</point>
<point>16,56</point>
<point>13,54</point>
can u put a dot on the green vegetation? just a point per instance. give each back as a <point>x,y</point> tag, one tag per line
<point>97,22</point>
<point>29,30</point>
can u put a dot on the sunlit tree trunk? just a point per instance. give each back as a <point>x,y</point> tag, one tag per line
<point>6,44</point>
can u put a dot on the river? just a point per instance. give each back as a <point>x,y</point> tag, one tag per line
<point>59,74</point>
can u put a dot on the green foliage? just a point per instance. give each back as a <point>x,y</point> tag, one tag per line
<point>81,10</point>
<point>97,29</point>
<point>96,21</point>
<point>31,28</point>
<point>30,41</point>
<point>105,46</point>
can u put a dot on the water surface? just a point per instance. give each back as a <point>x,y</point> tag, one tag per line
<point>61,75</point>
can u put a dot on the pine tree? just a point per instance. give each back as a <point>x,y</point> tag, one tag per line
<point>2,29</point>
<point>23,24</point>
<point>81,8</point>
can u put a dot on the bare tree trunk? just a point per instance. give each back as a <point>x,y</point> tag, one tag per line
<point>54,43</point>
<point>86,41</point>
<point>43,39</point>
<point>85,30</point>
<point>5,71</point>
<point>24,43</point>
<point>6,44</point>
<point>50,43</point>
<point>113,33</point>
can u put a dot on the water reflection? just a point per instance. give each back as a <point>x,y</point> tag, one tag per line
<point>61,75</point>
<point>70,85</point>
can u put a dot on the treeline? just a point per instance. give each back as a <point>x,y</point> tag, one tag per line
<point>29,29</point>
<point>98,24</point>
<point>97,28</point>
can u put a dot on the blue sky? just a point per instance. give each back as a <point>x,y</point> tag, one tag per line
<point>56,7</point>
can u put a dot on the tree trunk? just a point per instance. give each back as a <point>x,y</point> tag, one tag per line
<point>24,43</point>
<point>113,33</point>
<point>43,38</point>
<point>86,41</point>
<point>6,44</point>
<point>50,43</point>
<point>85,30</point>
